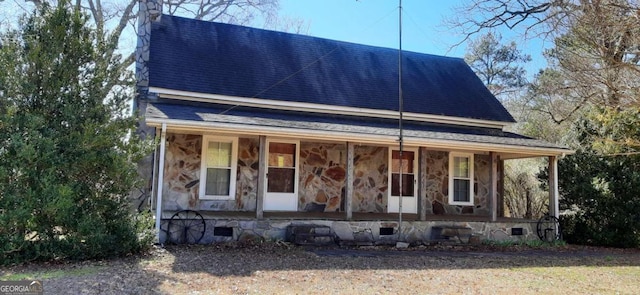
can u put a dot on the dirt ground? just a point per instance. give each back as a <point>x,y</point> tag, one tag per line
<point>285,269</point>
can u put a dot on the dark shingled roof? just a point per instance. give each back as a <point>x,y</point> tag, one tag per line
<point>214,58</point>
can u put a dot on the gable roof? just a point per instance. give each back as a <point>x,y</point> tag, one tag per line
<point>213,58</point>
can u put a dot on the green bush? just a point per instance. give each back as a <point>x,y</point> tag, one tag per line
<point>601,196</point>
<point>67,154</point>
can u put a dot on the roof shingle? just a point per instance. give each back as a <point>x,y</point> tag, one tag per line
<point>214,58</point>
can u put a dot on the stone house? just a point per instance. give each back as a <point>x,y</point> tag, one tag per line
<point>261,130</point>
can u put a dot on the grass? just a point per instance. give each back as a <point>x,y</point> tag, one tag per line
<point>51,274</point>
<point>528,243</point>
<point>270,268</point>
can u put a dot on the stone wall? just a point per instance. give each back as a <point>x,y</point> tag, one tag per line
<point>361,232</point>
<point>322,177</point>
<point>370,179</point>
<point>182,176</point>
<point>437,185</point>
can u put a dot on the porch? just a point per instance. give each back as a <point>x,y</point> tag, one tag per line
<point>345,175</point>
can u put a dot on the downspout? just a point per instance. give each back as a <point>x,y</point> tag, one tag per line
<point>163,137</point>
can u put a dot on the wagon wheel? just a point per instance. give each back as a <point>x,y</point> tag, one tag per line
<point>548,228</point>
<point>186,227</point>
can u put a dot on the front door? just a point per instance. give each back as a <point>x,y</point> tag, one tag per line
<point>282,175</point>
<point>409,181</point>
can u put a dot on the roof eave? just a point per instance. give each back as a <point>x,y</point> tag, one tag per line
<point>510,151</point>
<point>324,109</point>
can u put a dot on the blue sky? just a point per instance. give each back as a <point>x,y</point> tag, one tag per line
<point>375,22</point>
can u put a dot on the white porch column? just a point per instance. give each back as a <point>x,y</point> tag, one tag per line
<point>262,177</point>
<point>348,190</point>
<point>493,188</point>
<point>553,186</point>
<point>163,139</point>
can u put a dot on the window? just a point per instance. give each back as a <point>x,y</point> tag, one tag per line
<point>408,177</point>
<point>218,169</point>
<point>460,179</point>
<point>282,167</point>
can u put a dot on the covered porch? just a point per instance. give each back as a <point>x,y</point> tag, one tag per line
<point>345,174</point>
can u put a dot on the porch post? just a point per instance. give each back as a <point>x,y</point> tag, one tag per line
<point>422,178</point>
<point>493,188</point>
<point>262,177</point>
<point>163,139</point>
<point>500,188</point>
<point>348,191</point>
<point>553,186</point>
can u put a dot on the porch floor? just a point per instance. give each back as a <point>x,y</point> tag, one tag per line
<point>356,216</point>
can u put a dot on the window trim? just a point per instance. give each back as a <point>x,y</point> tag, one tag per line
<point>297,166</point>
<point>203,167</point>
<point>453,155</point>
<point>414,172</point>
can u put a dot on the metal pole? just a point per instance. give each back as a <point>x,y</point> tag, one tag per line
<point>400,106</point>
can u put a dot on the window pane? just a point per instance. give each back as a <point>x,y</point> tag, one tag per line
<point>217,182</point>
<point>407,185</point>
<point>461,167</point>
<point>281,180</point>
<point>282,154</point>
<point>219,154</point>
<point>461,190</point>
<point>407,162</point>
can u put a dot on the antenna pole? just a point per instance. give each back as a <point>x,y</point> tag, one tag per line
<point>400,106</point>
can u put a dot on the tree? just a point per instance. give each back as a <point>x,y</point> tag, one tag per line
<point>498,66</point>
<point>600,198</point>
<point>524,197</point>
<point>119,18</point>
<point>597,43</point>
<point>67,157</point>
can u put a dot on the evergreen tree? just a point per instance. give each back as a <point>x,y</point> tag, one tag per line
<point>67,160</point>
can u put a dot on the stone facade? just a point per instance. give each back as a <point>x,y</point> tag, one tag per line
<point>362,232</point>
<point>370,182</point>
<point>182,176</point>
<point>322,177</point>
<point>148,11</point>
<point>437,186</point>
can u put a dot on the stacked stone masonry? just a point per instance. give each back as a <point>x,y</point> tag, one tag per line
<point>362,232</point>
<point>322,174</point>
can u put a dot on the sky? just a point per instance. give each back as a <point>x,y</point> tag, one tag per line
<point>370,22</point>
<point>375,22</point>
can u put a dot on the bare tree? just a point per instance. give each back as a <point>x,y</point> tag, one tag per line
<point>524,197</point>
<point>116,20</point>
<point>597,42</point>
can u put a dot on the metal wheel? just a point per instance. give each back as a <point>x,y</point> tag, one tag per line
<point>186,227</point>
<point>548,228</point>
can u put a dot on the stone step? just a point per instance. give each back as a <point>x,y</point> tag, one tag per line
<point>310,234</point>
<point>446,233</point>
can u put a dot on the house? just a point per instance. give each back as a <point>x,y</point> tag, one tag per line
<point>262,130</point>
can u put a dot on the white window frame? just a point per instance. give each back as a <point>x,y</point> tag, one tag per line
<point>453,155</point>
<point>203,167</point>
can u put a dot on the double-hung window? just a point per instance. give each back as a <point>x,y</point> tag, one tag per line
<point>460,179</point>
<point>218,169</point>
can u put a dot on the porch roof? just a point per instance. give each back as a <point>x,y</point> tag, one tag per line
<point>254,121</point>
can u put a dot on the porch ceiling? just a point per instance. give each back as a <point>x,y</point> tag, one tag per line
<point>230,119</point>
